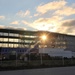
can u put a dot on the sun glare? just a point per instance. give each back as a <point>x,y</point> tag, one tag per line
<point>47,27</point>
<point>43,37</point>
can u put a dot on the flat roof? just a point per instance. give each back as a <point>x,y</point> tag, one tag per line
<point>18,31</point>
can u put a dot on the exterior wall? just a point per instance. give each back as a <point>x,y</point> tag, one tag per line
<point>18,38</point>
<point>73,53</point>
<point>70,43</point>
<point>56,52</point>
<point>13,50</point>
<point>11,38</point>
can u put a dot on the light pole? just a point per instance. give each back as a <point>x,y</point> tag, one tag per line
<point>43,38</point>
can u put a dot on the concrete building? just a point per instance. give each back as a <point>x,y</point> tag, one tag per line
<point>22,41</point>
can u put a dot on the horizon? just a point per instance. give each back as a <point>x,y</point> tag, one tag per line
<point>38,31</point>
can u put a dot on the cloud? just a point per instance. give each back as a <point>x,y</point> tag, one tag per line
<point>55,8</point>
<point>25,22</point>
<point>36,15</point>
<point>23,13</point>
<point>66,11</point>
<point>48,20</point>
<point>2,17</point>
<point>54,24</point>
<point>52,17</point>
<point>51,6</point>
<point>1,27</point>
<point>67,27</point>
<point>44,23</point>
<point>70,23</point>
<point>15,28</point>
<point>12,27</point>
<point>15,23</point>
<point>28,25</point>
<point>21,28</point>
<point>7,27</point>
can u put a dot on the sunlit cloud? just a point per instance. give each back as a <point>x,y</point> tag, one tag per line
<point>55,16</point>
<point>66,11</point>
<point>2,17</point>
<point>15,23</point>
<point>1,27</point>
<point>51,6</point>
<point>49,20</point>
<point>56,22</point>
<point>23,13</point>
<point>7,27</point>
<point>35,15</point>
<point>48,24</point>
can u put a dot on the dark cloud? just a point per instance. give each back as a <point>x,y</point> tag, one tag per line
<point>69,23</point>
<point>68,26</point>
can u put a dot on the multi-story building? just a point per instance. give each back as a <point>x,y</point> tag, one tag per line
<point>22,40</point>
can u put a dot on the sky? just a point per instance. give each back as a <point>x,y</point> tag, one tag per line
<point>49,15</point>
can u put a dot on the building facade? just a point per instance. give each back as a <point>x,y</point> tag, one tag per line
<point>21,41</point>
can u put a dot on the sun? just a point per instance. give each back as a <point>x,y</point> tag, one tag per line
<point>43,37</point>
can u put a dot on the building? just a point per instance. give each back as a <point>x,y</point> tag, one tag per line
<point>22,41</point>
